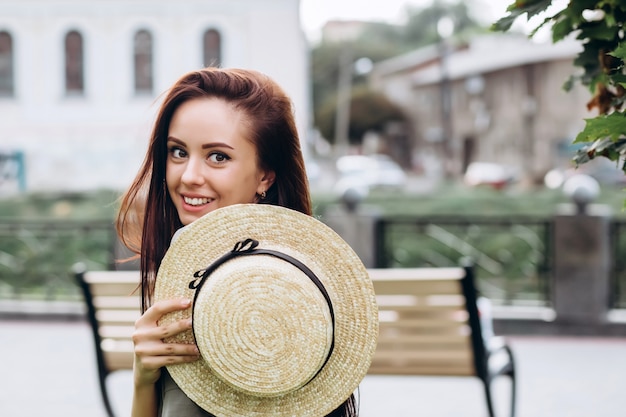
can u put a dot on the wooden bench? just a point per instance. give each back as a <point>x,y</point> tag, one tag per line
<point>429,325</point>
<point>112,300</point>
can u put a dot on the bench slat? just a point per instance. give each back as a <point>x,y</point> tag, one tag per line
<point>421,321</point>
<point>109,283</point>
<point>426,356</point>
<point>122,277</point>
<point>113,289</point>
<point>428,369</point>
<point>117,302</point>
<point>127,317</point>
<point>446,339</point>
<point>116,332</point>
<point>411,302</point>
<point>416,274</point>
<point>428,287</point>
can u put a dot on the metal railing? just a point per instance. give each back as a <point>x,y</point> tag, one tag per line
<point>36,256</point>
<point>512,256</point>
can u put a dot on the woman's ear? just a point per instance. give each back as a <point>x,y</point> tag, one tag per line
<point>266,181</point>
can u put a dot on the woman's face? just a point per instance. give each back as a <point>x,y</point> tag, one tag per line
<point>210,162</point>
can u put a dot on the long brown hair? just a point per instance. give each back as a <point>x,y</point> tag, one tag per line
<point>147,219</point>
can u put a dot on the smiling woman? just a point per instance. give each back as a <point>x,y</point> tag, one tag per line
<point>223,137</point>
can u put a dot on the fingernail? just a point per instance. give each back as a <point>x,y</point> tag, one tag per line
<point>186,302</point>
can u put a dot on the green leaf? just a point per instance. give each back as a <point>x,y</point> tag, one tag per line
<point>620,51</point>
<point>504,24</point>
<point>599,31</point>
<point>577,7</point>
<point>611,126</point>
<point>561,29</point>
<point>606,148</point>
<point>517,9</point>
<point>534,7</point>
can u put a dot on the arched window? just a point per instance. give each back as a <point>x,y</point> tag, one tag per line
<point>6,64</point>
<point>143,62</point>
<point>74,67</point>
<point>212,44</point>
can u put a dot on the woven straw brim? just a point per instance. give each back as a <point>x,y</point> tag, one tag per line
<point>329,257</point>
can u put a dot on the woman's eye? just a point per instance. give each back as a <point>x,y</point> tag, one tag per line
<point>218,157</point>
<point>178,153</point>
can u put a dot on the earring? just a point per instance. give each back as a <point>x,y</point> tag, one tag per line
<point>263,195</point>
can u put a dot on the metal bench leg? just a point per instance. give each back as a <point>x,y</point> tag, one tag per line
<point>488,397</point>
<point>487,385</point>
<point>105,398</point>
<point>513,395</point>
<point>511,374</point>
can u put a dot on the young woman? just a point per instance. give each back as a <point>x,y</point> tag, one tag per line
<point>221,137</point>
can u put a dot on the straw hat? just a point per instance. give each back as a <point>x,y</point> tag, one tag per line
<point>284,313</point>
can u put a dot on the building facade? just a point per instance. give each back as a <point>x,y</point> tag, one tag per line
<point>80,80</point>
<point>498,99</point>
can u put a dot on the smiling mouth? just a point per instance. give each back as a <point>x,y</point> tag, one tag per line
<point>196,201</point>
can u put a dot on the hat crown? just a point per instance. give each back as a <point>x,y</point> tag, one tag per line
<point>266,324</point>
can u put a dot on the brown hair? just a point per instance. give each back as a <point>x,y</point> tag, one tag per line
<point>147,219</point>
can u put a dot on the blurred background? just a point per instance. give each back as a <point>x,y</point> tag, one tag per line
<point>414,111</point>
<point>428,139</point>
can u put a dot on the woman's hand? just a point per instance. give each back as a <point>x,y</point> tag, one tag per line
<point>151,353</point>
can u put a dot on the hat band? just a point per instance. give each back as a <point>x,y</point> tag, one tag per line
<point>249,247</point>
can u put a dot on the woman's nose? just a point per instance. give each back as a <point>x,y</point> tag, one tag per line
<point>193,173</point>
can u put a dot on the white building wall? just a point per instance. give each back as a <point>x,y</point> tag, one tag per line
<point>98,140</point>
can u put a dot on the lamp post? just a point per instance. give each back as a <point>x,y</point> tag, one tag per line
<point>445,29</point>
<point>347,68</point>
<point>344,91</point>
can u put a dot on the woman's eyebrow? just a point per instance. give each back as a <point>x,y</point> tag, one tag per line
<point>204,145</point>
<point>216,145</point>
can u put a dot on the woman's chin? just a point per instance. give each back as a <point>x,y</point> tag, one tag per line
<point>187,216</point>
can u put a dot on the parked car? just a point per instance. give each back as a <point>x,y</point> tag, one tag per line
<point>364,173</point>
<point>489,174</point>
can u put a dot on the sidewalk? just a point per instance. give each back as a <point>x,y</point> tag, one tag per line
<point>48,368</point>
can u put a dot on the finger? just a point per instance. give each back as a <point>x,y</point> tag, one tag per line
<point>160,332</point>
<point>162,307</point>
<point>164,332</point>
<point>155,362</point>
<point>145,351</point>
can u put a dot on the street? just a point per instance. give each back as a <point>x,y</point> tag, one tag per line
<point>48,368</point>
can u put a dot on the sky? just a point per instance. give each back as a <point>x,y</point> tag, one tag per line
<point>314,13</point>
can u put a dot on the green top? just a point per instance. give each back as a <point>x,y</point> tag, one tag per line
<point>174,402</point>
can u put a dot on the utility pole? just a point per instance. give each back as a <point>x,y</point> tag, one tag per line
<point>445,29</point>
<point>344,93</point>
